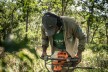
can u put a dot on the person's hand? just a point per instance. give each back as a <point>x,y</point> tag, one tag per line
<point>79,56</point>
<point>43,55</point>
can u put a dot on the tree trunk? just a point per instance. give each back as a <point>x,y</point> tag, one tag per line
<point>90,21</point>
<point>94,34</point>
<point>27,23</point>
<point>107,32</point>
<point>88,29</point>
<point>11,25</point>
<point>64,6</point>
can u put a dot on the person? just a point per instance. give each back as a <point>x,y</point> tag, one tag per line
<point>63,33</point>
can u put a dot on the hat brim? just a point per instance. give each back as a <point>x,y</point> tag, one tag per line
<point>49,24</point>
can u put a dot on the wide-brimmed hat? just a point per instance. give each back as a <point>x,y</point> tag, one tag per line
<point>49,23</point>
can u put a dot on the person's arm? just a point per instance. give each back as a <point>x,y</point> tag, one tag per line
<point>82,39</point>
<point>45,42</point>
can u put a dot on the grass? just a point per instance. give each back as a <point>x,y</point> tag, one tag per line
<point>99,61</point>
<point>22,61</point>
<point>25,60</point>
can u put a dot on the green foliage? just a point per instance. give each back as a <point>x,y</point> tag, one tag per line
<point>98,47</point>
